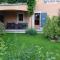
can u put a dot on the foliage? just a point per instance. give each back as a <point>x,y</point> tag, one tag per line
<point>31,6</point>
<point>37,53</point>
<point>59,21</point>
<point>31,32</point>
<point>58,25</point>
<point>2,28</point>
<point>46,27</point>
<point>1,1</point>
<point>51,28</point>
<point>2,48</point>
<point>11,1</point>
<point>26,47</point>
<point>22,1</point>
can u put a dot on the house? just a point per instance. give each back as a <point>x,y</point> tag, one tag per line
<point>16,19</point>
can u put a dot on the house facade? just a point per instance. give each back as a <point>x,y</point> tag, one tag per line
<point>16,19</point>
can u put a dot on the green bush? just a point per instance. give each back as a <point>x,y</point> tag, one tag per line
<point>51,28</point>
<point>58,25</point>
<point>1,1</point>
<point>11,1</point>
<point>22,1</point>
<point>2,48</point>
<point>2,28</point>
<point>31,32</point>
<point>59,21</point>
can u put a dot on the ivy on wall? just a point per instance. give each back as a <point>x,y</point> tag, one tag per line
<point>31,6</point>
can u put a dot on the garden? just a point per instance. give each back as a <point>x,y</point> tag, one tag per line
<point>32,45</point>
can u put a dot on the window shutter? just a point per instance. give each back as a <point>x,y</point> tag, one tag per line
<point>43,19</point>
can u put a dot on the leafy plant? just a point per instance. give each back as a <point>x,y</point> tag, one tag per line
<point>21,1</point>
<point>31,6</point>
<point>2,48</point>
<point>59,21</point>
<point>31,32</point>
<point>1,1</point>
<point>51,28</point>
<point>2,28</point>
<point>11,1</point>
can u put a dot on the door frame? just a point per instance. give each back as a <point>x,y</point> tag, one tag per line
<point>33,19</point>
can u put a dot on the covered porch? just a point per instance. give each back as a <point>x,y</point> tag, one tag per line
<point>14,20</point>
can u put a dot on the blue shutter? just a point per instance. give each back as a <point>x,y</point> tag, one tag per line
<point>43,19</point>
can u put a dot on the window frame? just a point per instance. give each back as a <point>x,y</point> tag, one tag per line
<point>51,2</point>
<point>19,17</point>
<point>33,19</point>
<point>18,21</point>
<point>37,19</point>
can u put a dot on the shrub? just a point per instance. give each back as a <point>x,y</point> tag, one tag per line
<point>31,32</point>
<point>59,21</point>
<point>11,1</point>
<point>2,28</point>
<point>22,1</point>
<point>2,48</point>
<point>51,27</point>
<point>1,1</point>
<point>46,27</point>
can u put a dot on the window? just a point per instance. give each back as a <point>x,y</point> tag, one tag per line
<point>43,19</point>
<point>40,19</point>
<point>51,1</point>
<point>20,16</point>
<point>37,18</point>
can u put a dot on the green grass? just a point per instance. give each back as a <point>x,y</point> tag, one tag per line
<point>20,45</point>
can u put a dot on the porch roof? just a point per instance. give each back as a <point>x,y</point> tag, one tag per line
<point>21,7</point>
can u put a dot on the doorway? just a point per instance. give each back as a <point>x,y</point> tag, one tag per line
<point>37,20</point>
<point>2,18</point>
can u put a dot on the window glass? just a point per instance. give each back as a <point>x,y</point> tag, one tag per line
<point>43,19</point>
<point>20,17</point>
<point>51,1</point>
<point>37,18</point>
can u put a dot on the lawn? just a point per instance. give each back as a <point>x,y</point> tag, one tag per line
<point>26,47</point>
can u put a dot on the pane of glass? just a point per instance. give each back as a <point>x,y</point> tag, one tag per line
<point>20,17</point>
<point>43,19</point>
<point>37,18</point>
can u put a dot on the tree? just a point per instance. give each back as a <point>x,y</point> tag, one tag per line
<point>11,1</point>
<point>51,28</point>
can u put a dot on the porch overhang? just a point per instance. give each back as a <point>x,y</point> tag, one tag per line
<point>20,7</point>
